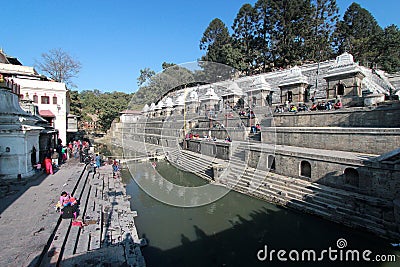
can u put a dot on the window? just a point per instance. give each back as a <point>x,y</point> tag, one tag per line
<point>290,96</point>
<point>340,89</point>
<point>351,177</point>
<point>45,100</point>
<point>35,99</point>
<point>254,101</point>
<point>54,100</point>
<point>214,149</point>
<point>271,162</point>
<point>305,169</point>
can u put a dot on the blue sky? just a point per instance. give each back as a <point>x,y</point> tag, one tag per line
<point>115,39</point>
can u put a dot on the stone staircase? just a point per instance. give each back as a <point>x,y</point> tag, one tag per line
<point>191,162</point>
<point>334,204</point>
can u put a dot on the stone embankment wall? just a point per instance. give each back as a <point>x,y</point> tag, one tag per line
<point>361,140</point>
<point>379,117</point>
<point>333,150</point>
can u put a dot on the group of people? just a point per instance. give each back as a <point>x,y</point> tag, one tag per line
<point>255,128</point>
<point>192,136</point>
<point>321,105</point>
<point>248,113</point>
<point>329,105</point>
<point>54,157</point>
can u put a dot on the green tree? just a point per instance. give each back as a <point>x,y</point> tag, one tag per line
<point>324,17</point>
<point>243,36</point>
<point>388,46</point>
<point>355,33</point>
<point>290,31</point>
<point>76,104</point>
<point>172,76</point>
<point>166,65</point>
<point>215,42</point>
<point>264,23</point>
<point>145,76</point>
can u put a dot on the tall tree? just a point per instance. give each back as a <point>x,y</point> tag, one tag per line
<point>264,23</point>
<point>145,76</point>
<point>324,17</point>
<point>216,34</point>
<point>214,38</point>
<point>290,31</point>
<point>60,66</point>
<point>355,32</point>
<point>244,31</point>
<point>388,46</point>
<point>76,104</point>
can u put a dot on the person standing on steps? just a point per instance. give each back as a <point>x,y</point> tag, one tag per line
<point>98,161</point>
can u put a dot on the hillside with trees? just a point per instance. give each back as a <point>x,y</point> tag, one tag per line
<point>266,36</point>
<point>277,34</point>
<point>93,105</point>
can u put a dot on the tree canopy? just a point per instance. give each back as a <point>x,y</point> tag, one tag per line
<point>59,66</point>
<point>282,33</point>
<point>93,105</point>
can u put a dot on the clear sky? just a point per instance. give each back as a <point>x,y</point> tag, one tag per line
<point>115,39</point>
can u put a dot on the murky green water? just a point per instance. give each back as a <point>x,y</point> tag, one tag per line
<point>230,231</point>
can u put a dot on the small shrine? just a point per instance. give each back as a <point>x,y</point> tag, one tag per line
<point>233,95</point>
<point>344,80</point>
<point>294,88</point>
<point>260,93</point>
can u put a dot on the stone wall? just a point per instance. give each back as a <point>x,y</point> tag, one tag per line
<point>362,140</point>
<point>219,150</point>
<point>332,170</point>
<point>385,116</point>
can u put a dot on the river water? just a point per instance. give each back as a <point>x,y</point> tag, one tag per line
<point>232,230</point>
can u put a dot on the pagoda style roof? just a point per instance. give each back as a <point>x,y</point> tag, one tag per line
<point>343,65</point>
<point>209,95</point>
<point>233,89</point>
<point>180,100</point>
<point>294,76</point>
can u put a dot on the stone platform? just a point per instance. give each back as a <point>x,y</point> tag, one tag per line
<point>33,233</point>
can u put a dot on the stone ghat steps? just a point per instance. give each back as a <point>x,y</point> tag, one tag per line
<point>275,197</point>
<point>110,230</point>
<point>321,199</point>
<point>319,194</point>
<point>294,193</point>
<point>191,163</point>
<point>293,200</point>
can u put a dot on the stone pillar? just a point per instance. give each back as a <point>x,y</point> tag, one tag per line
<point>396,210</point>
<point>217,171</point>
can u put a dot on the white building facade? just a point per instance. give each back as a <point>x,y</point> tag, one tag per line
<point>52,98</point>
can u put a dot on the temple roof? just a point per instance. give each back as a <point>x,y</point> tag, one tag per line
<point>259,84</point>
<point>169,103</point>
<point>294,76</point>
<point>344,64</point>
<point>210,95</point>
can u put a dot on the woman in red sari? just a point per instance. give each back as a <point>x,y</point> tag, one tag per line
<point>48,165</point>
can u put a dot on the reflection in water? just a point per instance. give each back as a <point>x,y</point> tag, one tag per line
<point>230,231</point>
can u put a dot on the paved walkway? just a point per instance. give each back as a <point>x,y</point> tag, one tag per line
<point>28,216</point>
